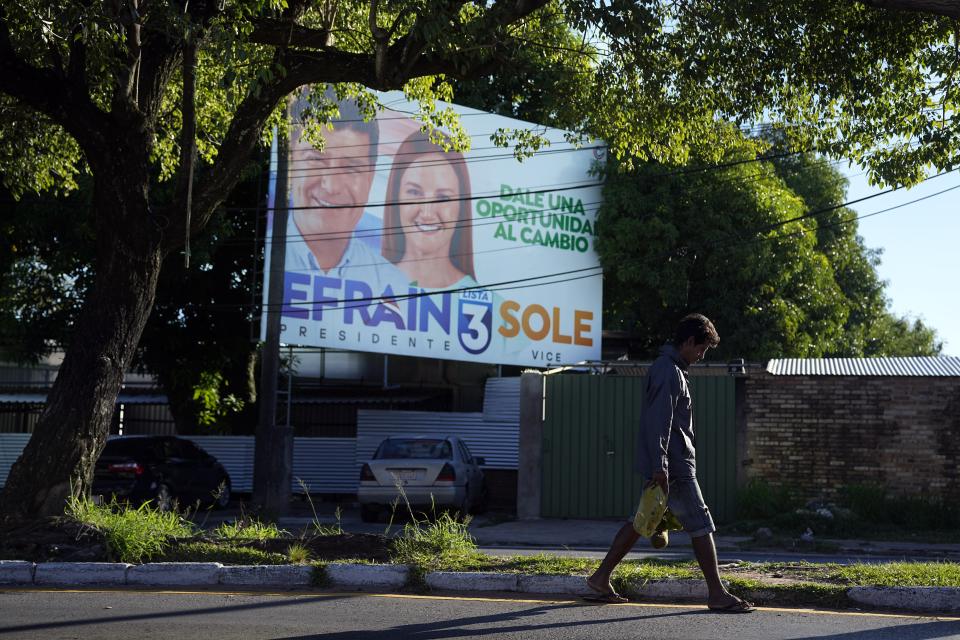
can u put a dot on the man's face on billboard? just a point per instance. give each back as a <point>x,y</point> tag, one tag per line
<point>339,177</point>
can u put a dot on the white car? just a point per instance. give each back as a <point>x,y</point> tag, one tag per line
<point>425,471</point>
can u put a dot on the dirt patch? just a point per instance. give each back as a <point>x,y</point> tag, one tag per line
<point>52,540</point>
<point>356,546</point>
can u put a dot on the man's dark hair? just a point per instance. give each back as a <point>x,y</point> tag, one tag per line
<point>699,327</point>
<point>350,118</point>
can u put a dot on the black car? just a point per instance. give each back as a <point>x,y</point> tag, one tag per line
<point>162,469</point>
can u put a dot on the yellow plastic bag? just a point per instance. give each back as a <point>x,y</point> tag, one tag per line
<point>653,504</point>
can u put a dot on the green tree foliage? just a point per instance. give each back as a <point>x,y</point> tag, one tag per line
<point>757,247</point>
<point>718,240</point>
<point>874,80</point>
<point>871,328</point>
<point>45,253</point>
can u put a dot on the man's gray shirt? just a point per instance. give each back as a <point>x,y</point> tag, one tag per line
<point>666,440</point>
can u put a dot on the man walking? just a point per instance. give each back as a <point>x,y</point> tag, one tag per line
<point>666,456</point>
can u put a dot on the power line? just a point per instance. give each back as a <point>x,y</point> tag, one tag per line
<point>401,229</point>
<point>590,207</point>
<point>328,304</point>
<point>335,304</point>
<point>845,204</point>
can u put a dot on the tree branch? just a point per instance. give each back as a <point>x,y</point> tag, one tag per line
<point>70,107</point>
<point>381,42</point>
<point>282,34</point>
<point>294,69</point>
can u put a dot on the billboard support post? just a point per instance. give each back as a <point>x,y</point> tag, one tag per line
<point>273,458</point>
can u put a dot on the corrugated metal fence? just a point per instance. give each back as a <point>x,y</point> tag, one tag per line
<point>589,443</point>
<point>332,464</point>
<point>495,441</point>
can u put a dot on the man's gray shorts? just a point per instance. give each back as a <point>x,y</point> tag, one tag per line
<point>686,503</point>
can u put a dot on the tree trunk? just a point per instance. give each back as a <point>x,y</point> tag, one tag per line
<point>60,456</point>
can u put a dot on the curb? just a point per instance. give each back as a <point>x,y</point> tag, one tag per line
<point>385,576</point>
<point>912,598</point>
<point>84,573</point>
<point>16,572</point>
<point>278,575</point>
<point>366,576</point>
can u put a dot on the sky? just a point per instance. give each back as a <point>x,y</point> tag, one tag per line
<point>920,253</point>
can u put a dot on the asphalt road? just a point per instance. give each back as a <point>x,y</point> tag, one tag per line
<point>109,615</point>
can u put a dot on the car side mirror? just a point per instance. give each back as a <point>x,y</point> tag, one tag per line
<point>479,461</point>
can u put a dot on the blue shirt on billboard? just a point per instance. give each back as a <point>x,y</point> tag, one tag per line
<point>358,262</point>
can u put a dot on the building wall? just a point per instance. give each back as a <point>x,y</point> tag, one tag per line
<point>817,434</point>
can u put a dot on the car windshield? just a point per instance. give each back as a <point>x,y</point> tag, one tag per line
<point>415,448</point>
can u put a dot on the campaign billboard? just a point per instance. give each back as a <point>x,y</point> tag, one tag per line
<point>395,245</point>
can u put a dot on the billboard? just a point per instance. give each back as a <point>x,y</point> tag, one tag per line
<point>396,246</point>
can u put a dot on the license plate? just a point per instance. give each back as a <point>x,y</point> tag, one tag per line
<point>405,474</point>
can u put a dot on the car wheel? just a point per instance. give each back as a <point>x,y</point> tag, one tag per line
<point>369,513</point>
<point>222,494</point>
<point>163,500</point>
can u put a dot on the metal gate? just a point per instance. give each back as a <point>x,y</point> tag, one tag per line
<point>589,439</point>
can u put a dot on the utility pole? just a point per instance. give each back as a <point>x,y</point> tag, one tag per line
<point>273,452</point>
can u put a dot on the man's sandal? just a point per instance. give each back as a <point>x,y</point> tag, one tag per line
<point>737,606</point>
<point>604,597</point>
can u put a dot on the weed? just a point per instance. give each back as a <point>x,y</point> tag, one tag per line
<point>245,528</point>
<point>760,500</point>
<point>873,504</point>
<point>321,529</point>
<point>440,542</point>
<point>132,535</point>
<point>429,544</point>
<point>298,554</point>
<point>318,577</point>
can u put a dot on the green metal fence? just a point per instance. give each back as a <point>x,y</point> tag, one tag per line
<point>589,440</point>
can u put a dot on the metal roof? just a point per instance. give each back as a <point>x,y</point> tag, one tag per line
<point>941,366</point>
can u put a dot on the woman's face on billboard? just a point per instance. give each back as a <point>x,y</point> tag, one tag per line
<point>429,205</point>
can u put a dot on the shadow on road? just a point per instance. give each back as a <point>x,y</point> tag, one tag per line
<point>459,628</point>
<point>274,604</point>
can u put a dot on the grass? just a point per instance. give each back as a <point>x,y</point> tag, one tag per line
<point>248,529</point>
<point>298,554</point>
<point>431,544</point>
<point>897,574</point>
<point>132,535</point>
<point>443,543</point>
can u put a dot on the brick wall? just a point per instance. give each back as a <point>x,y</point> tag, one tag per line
<point>819,433</point>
